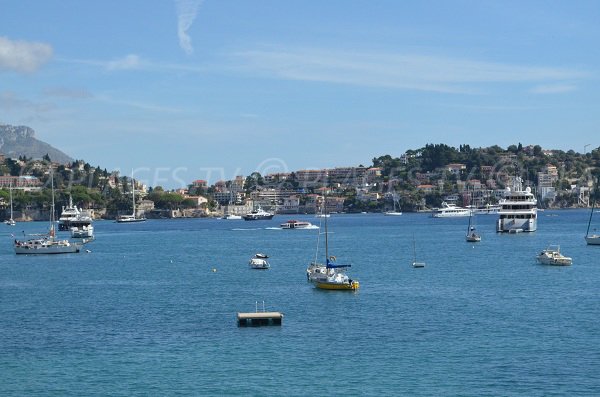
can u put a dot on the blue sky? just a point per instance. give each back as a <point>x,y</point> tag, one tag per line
<point>189,89</point>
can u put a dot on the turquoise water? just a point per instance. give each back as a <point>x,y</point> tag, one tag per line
<point>144,314</point>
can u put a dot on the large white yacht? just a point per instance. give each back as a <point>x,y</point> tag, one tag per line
<point>71,216</point>
<point>451,210</point>
<point>518,210</point>
<point>257,214</point>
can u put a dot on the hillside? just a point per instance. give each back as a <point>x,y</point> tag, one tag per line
<point>16,141</point>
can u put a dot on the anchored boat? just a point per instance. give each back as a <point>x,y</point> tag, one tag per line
<point>330,275</point>
<point>47,243</point>
<point>552,256</point>
<point>518,210</point>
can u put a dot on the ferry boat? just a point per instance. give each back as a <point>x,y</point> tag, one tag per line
<point>518,210</point>
<point>450,211</point>
<point>293,224</point>
<point>257,215</point>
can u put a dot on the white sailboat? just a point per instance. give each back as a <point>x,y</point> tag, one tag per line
<point>592,239</point>
<point>47,243</point>
<point>321,213</point>
<point>472,236</point>
<point>395,211</point>
<point>11,221</point>
<point>133,217</point>
<point>330,276</point>
<point>415,263</point>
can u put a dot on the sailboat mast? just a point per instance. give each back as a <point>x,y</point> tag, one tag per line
<point>52,207</point>
<point>11,200</point>
<point>470,217</point>
<point>133,193</point>
<point>587,232</point>
<point>326,234</point>
<point>320,212</point>
<point>592,211</point>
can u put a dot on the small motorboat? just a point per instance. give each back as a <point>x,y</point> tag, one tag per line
<point>232,217</point>
<point>82,231</point>
<point>552,256</point>
<point>259,261</point>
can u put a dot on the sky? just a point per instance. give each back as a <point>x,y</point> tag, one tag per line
<point>178,90</point>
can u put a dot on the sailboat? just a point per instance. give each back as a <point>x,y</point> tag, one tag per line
<point>47,243</point>
<point>322,213</point>
<point>395,212</point>
<point>592,239</point>
<point>330,275</point>
<point>415,263</point>
<point>133,217</point>
<point>11,221</point>
<point>472,236</point>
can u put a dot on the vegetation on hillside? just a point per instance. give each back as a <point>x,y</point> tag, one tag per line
<point>93,187</point>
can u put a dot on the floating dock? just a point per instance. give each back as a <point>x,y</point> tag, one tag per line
<point>259,319</point>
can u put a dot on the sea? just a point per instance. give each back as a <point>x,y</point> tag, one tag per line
<point>149,309</point>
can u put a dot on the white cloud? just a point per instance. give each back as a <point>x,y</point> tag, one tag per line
<point>403,71</point>
<point>186,13</point>
<point>11,102</point>
<point>128,62</point>
<point>23,56</point>
<point>553,88</point>
<point>135,104</point>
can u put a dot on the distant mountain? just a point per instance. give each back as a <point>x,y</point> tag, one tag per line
<point>18,141</point>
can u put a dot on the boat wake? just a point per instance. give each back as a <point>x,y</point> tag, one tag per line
<point>245,229</point>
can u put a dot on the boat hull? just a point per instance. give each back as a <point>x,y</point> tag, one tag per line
<point>71,249</point>
<point>452,214</point>
<point>511,225</point>
<point>592,240</point>
<point>257,218</point>
<point>555,262</point>
<point>259,263</point>
<point>131,220</point>
<point>351,286</point>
